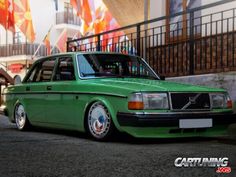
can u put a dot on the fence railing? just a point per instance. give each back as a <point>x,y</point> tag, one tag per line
<point>67,18</point>
<point>21,49</point>
<point>202,42</point>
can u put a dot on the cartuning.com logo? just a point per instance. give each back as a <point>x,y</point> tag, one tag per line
<point>221,164</point>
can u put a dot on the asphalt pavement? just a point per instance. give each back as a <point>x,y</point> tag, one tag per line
<point>55,153</point>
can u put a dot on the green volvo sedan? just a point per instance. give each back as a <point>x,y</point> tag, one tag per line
<point>99,93</point>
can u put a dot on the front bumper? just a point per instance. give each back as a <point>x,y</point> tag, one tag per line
<point>166,125</point>
<point>171,119</point>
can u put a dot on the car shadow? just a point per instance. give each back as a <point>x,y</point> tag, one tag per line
<point>120,138</point>
<point>123,138</point>
<point>68,133</point>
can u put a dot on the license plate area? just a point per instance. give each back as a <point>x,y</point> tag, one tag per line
<point>195,123</point>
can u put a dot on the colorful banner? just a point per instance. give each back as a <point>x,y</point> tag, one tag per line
<point>61,42</point>
<point>23,18</point>
<point>7,15</point>
<point>3,12</point>
<point>46,41</point>
<point>10,16</point>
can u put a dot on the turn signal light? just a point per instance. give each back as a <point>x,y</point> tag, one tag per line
<point>135,105</point>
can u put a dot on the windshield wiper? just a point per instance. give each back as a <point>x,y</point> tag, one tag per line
<point>101,74</point>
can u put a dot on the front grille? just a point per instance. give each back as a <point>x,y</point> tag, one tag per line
<point>190,101</point>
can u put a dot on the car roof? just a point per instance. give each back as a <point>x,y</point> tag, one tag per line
<point>82,53</point>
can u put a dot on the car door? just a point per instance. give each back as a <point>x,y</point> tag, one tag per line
<point>34,85</point>
<point>61,100</point>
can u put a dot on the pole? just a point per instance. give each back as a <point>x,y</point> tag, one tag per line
<point>58,40</point>
<point>145,10</point>
<point>191,44</point>
<point>41,43</point>
<point>37,50</point>
<point>6,27</point>
<point>138,40</point>
<point>6,42</point>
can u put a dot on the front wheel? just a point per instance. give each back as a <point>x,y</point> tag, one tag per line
<point>22,123</point>
<point>99,122</point>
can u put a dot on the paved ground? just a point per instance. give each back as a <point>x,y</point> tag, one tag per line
<point>50,153</point>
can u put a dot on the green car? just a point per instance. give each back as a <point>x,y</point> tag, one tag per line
<point>100,93</point>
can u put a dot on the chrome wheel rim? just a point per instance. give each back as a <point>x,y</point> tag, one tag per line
<point>20,117</point>
<point>99,120</point>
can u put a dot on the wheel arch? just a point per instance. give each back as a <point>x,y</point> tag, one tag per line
<point>107,104</point>
<point>17,102</point>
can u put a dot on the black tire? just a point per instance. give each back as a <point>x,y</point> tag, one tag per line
<point>20,116</point>
<point>99,123</point>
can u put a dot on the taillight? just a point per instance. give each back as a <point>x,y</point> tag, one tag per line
<point>229,104</point>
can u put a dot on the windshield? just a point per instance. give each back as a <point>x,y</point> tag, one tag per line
<point>113,65</point>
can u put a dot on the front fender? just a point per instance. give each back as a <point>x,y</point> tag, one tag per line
<point>108,105</point>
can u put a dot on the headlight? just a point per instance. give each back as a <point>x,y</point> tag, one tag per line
<point>148,101</point>
<point>220,100</point>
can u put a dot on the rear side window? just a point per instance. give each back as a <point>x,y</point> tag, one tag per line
<point>65,70</point>
<point>42,72</point>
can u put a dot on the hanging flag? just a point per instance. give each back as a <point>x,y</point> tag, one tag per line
<point>61,42</point>
<point>96,18</point>
<point>76,4</point>
<point>10,16</point>
<point>86,16</point>
<point>102,23</point>
<point>3,13</point>
<point>99,22</point>
<point>99,26</point>
<point>23,18</point>
<point>86,12</point>
<point>83,10</point>
<point>7,15</point>
<point>46,41</point>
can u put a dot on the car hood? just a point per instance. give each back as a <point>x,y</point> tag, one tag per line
<point>137,84</point>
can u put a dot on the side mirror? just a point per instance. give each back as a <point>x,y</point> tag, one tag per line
<point>17,80</point>
<point>162,78</point>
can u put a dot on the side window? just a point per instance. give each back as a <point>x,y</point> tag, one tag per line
<point>46,71</point>
<point>42,72</point>
<point>136,68</point>
<point>85,67</point>
<point>31,75</point>
<point>65,70</point>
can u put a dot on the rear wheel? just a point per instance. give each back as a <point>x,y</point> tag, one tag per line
<point>22,123</point>
<point>99,122</point>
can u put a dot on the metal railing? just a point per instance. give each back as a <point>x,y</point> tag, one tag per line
<point>21,49</point>
<point>67,18</point>
<point>202,42</point>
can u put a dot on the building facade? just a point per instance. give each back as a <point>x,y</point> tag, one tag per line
<point>190,42</point>
<point>17,54</point>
